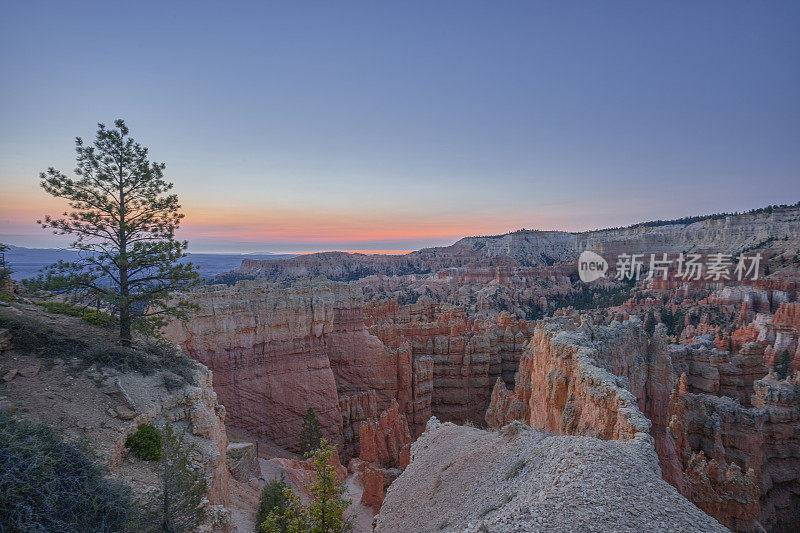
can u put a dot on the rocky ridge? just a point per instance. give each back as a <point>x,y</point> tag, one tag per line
<point>533,482</point>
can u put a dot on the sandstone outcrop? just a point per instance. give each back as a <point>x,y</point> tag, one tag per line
<point>518,479</point>
<point>742,463</point>
<point>242,461</point>
<point>688,402</point>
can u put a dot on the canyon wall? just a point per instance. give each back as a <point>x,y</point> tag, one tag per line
<point>768,230</point>
<point>277,350</point>
<point>723,234</point>
<point>462,356</point>
<point>741,456</point>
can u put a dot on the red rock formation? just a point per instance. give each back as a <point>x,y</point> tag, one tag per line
<point>372,481</point>
<point>277,350</point>
<point>386,440</point>
<point>730,450</point>
<point>465,355</point>
<point>385,443</point>
<point>563,388</point>
<point>781,333</point>
<point>739,464</point>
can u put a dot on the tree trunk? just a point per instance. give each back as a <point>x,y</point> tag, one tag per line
<point>124,287</point>
<point>125,326</point>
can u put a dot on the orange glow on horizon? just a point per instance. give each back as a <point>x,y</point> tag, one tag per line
<point>283,225</point>
<point>367,252</point>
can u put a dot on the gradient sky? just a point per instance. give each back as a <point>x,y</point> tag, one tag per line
<point>300,126</point>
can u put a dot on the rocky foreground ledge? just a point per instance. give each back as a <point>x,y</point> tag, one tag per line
<point>519,479</point>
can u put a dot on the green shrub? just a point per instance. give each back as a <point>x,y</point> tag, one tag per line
<point>178,505</point>
<point>51,484</point>
<point>7,296</point>
<point>273,498</point>
<point>145,443</point>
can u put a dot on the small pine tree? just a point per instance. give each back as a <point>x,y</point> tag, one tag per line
<point>178,505</point>
<point>650,323</point>
<point>292,519</point>
<point>325,514</point>
<point>327,509</point>
<point>311,435</point>
<point>273,500</point>
<point>782,364</point>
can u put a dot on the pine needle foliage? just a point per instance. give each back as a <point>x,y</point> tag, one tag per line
<point>123,218</point>
<point>311,434</point>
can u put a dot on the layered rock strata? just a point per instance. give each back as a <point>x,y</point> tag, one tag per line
<point>385,444</point>
<point>277,350</point>
<point>729,234</point>
<point>464,355</point>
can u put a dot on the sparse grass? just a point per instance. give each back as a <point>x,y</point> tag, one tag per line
<point>34,337</point>
<point>92,316</point>
<point>51,484</point>
<point>516,470</point>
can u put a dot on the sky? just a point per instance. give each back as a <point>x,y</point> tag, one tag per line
<point>308,126</point>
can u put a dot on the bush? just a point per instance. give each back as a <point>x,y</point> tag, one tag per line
<point>145,443</point>
<point>273,500</point>
<point>50,484</point>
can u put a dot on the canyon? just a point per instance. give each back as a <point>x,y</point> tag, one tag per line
<point>681,371</point>
<point>483,386</point>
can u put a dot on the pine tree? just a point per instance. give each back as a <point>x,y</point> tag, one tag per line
<point>178,506</point>
<point>311,435</point>
<point>782,365</point>
<point>273,501</point>
<point>327,509</point>
<point>124,221</point>
<point>293,518</point>
<point>650,323</point>
<point>325,514</point>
